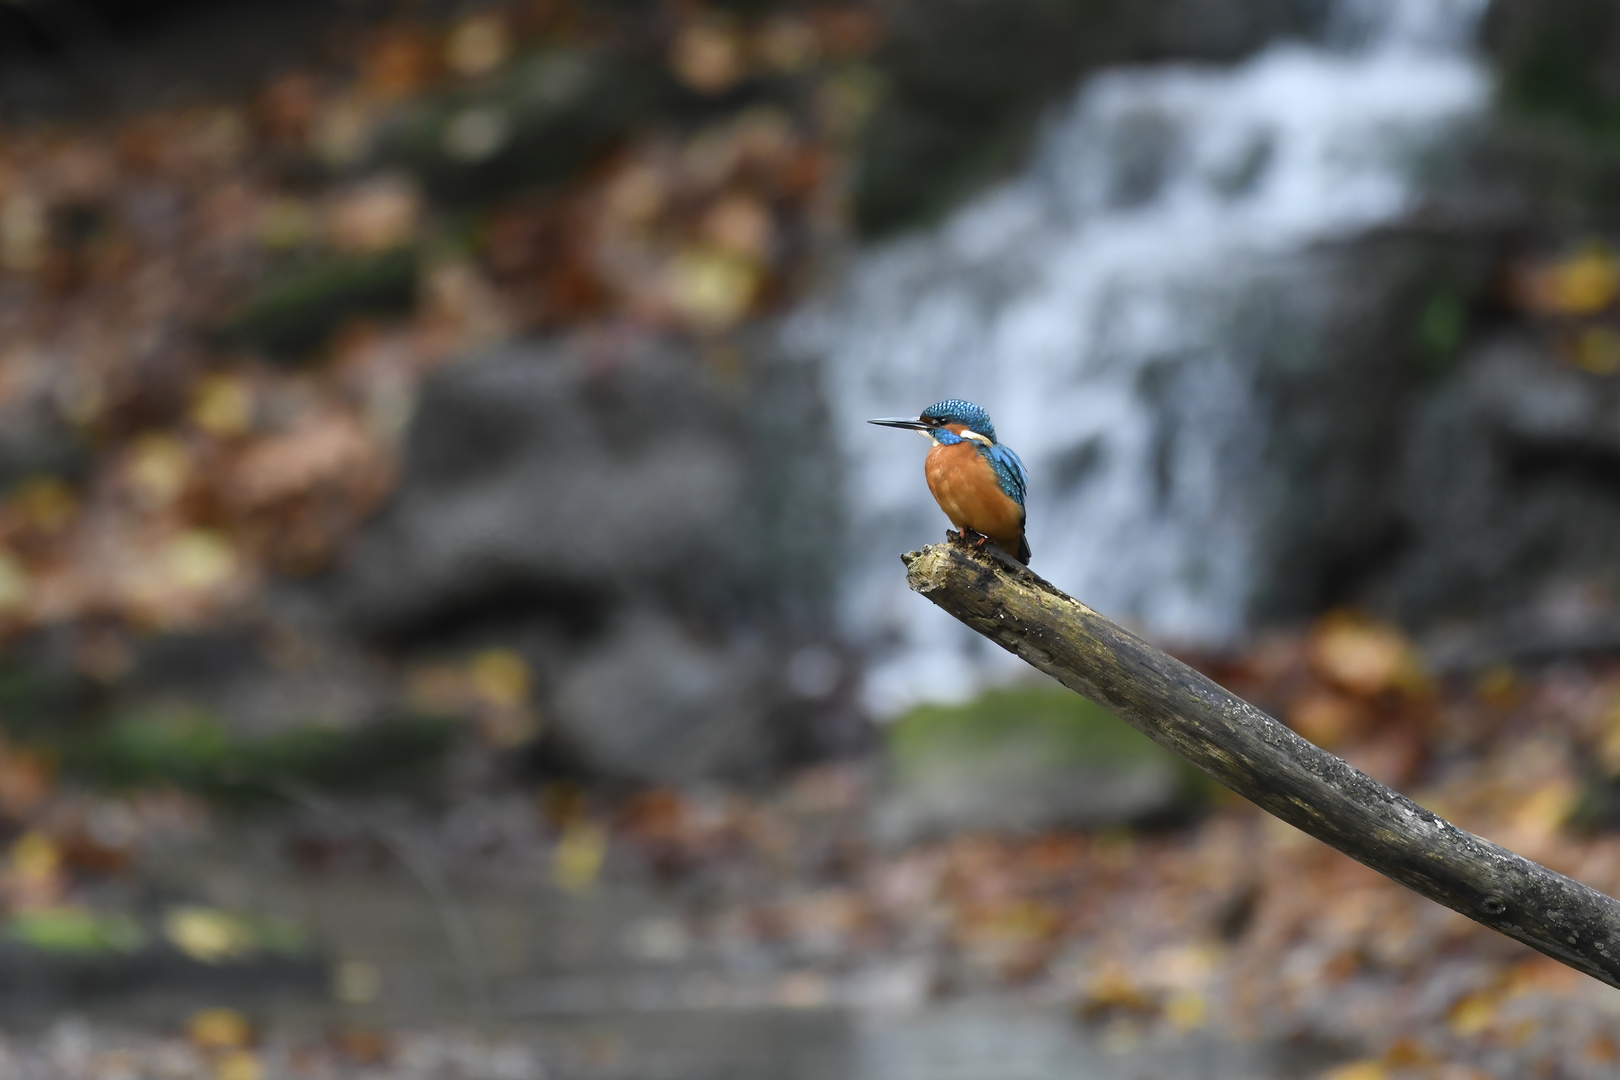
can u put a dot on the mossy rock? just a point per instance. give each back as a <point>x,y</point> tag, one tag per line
<point>1559,58</point>
<point>74,931</point>
<point>1029,758</point>
<point>194,751</point>
<point>298,310</point>
<point>1069,727</point>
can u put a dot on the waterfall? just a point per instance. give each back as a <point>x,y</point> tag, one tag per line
<point>1087,305</point>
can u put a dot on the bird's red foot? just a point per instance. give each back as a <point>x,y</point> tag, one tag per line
<point>972,536</point>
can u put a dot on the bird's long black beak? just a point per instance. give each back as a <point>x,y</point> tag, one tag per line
<point>902,422</point>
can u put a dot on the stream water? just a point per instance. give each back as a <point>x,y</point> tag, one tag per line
<point>599,984</point>
<point>1089,304</point>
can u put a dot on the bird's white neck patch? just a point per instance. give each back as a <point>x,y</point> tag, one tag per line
<point>963,434</point>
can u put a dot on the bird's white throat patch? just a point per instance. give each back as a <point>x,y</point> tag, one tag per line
<point>965,433</point>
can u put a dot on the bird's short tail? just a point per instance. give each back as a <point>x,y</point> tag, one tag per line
<point>1023,550</point>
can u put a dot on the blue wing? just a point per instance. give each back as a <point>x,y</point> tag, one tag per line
<point>1009,470</point>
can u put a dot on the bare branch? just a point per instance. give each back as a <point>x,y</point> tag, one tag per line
<point>1267,763</point>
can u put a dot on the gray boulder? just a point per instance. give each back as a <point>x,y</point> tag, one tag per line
<point>1512,488</point>
<point>1023,760</point>
<point>652,536</point>
<point>653,700</point>
<point>533,469</point>
<point>1019,788</point>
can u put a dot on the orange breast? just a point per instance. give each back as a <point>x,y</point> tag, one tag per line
<point>966,488</point>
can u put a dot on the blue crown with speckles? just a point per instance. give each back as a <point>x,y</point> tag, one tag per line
<point>957,411</point>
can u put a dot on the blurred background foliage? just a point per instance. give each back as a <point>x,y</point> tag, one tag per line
<point>424,555</point>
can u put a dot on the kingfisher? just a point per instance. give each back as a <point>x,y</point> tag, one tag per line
<point>978,482</point>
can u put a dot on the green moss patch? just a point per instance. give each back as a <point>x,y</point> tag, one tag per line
<point>192,750</point>
<point>1071,729</point>
<point>295,313</point>
<point>1028,759</point>
<point>75,931</point>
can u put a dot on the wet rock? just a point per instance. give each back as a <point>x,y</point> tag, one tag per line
<point>535,473</point>
<point>1342,368</point>
<point>36,982</point>
<point>967,81</point>
<point>653,536</point>
<point>651,699</point>
<point>1558,58</point>
<point>1022,761</point>
<point>35,440</point>
<point>1017,789</point>
<point>1458,480</point>
<point>236,714</point>
<point>1510,486</point>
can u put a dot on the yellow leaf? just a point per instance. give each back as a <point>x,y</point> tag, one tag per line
<point>159,468</point>
<point>239,1065</point>
<point>577,861</point>
<point>501,677</point>
<point>24,232</point>
<point>355,982</point>
<point>712,289</point>
<point>1358,1070</point>
<point>1187,1010</point>
<point>1546,809</point>
<point>199,559</point>
<point>14,584</point>
<point>1473,1014</point>
<point>45,503</point>
<point>1113,987</point>
<point>1597,350</point>
<point>1010,923</point>
<point>1609,744</point>
<point>219,1029</point>
<point>35,857</point>
<point>478,46</point>
<point>1582,284</point>
<point>223,406</point>
<point>207,934</point>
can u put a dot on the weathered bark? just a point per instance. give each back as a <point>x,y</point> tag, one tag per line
<point>1265,762</point>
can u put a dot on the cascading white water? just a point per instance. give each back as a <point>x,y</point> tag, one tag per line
<point>1083,304</point>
